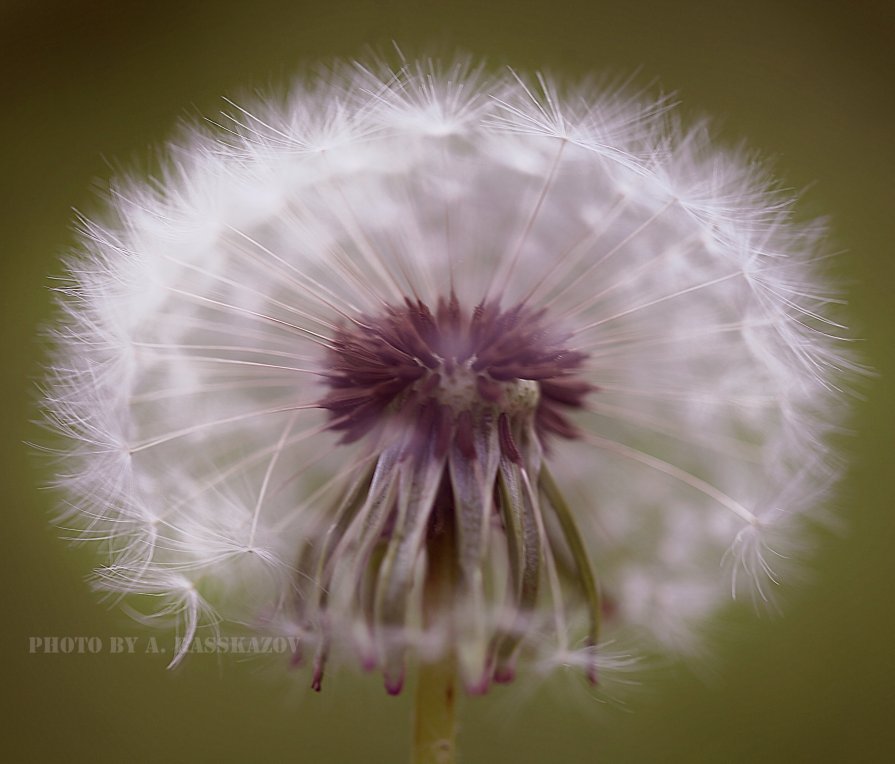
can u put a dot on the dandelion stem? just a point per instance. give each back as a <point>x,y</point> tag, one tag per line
<point>435,726</point>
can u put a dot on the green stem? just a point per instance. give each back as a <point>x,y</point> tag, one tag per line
<point>435,727</point>
<point>434,723</point>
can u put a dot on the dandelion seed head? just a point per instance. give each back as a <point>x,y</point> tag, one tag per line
<point>423,361</point>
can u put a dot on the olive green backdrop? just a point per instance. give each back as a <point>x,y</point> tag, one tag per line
<point>88,87</point>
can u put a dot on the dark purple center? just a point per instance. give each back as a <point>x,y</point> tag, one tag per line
<point>437,373</point>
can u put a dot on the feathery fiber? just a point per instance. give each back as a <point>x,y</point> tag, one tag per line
<point>428,362</point>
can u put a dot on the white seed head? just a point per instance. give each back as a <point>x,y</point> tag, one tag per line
<point>329,373</point>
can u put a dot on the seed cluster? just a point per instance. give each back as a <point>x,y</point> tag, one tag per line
<point>457,405</point>
<point>218,319</point>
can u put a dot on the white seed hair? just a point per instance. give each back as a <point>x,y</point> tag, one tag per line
<point>186,376</point>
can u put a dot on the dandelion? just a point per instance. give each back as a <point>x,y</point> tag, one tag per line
<point>423,366</point>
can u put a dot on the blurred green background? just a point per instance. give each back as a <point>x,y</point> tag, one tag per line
<point>92,86</point>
